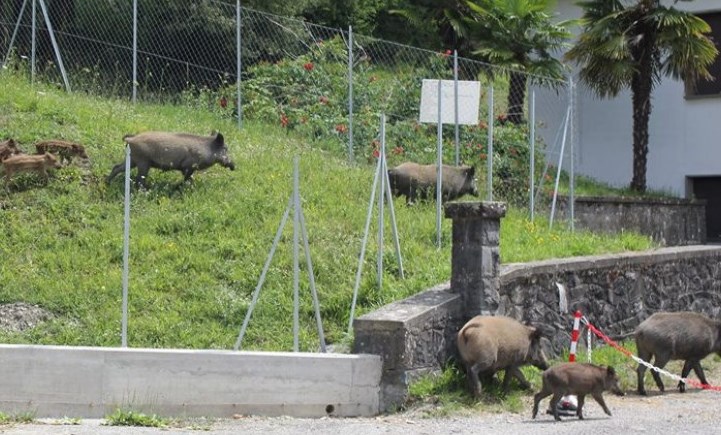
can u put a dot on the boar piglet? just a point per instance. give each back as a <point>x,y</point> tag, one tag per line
<point>61,148</point>
<point>179,151</point>
<point>488,344</point>
<point>684,335</point>
<point>417,181</point>
<point>578,379</point>
<point>28,163</point>
<point>8,148</point>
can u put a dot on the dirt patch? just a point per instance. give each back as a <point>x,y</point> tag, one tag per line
<point>20,316</point>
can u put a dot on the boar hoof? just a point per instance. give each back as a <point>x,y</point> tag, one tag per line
<point>642,392</point>
<point>681,387</point>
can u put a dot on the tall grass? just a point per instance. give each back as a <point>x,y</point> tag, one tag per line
<point>196,252</point>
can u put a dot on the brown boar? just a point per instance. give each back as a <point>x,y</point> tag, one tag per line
<point>179,151</point>
<point>63,149</point>
<point>29,163</point>
<point>578,379</point>
<point>488,344</point>
<point>417,181</point>
<point>683,335</point>
<point>8,148</point>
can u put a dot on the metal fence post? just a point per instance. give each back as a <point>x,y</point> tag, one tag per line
<point>572,174</point>
<point>532,146</point>
<point>135,51</point>
<point>439,160</point>
<point>350,94</point>
<point>238,54</point>
<point>126,248</point>
<point>455,104</point>
<point>490,144</point>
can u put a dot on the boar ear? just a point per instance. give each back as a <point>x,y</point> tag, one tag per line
<point>534,333</point>
<point>472,171</point>
<point>219,140</point>
<point>610,371</point>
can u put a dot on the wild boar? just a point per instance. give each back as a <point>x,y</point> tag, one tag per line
<point>684,335</point>
<point>417,181</point>
<point>63,149</point>
<point>8,148</point>
<point>180,151</point>
<point>25,162</point>
<point>578,379</point>
<point>488,344</point>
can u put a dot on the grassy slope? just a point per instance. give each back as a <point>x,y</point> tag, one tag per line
<point>197,253</point>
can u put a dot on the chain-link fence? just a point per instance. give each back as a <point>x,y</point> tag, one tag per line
<point>326,84</point>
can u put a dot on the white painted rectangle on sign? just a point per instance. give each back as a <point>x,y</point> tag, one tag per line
<point>469,96</point>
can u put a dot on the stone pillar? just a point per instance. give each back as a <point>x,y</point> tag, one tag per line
<point>475,263</point>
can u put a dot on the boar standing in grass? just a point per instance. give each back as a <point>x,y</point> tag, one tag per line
<point>418,181</point>
<point>684,335</point>
<point>488,344</point>
<point>9,148</point>
<point>29,163</point>
<point>578,379</point>
<point>63,149</point>
<point>186,153</point>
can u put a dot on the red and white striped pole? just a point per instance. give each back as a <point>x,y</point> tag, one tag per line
<point>574,336</point>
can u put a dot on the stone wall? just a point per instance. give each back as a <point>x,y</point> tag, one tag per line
<point>615,292</point>
<point>671,222</point>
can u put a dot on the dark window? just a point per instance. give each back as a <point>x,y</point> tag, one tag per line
<point>710,87</point>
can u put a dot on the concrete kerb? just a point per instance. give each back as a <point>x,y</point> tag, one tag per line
<point>89,382</point>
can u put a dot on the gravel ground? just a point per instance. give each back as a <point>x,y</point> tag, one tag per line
<point>694,412</point>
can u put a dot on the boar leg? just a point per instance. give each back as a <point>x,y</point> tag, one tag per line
<point>140,178</point>
<point>474,383</point>
<point>188,174</point>
<point>554,404</point>
<point>581,400</point>
<point>660,362</point>
<point>687,366</point>
<point>599,399</point>
<point>538,397</point>
<point>514,371</point>
<point>120,167</point>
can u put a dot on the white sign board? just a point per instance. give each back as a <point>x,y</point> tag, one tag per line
<point>469,96</point>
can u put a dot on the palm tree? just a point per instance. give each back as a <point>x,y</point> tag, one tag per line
<point>518,35</point>
<point>633,46</point>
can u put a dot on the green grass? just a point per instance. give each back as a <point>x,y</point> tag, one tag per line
<point>130,418</point>
<point>197,252</point>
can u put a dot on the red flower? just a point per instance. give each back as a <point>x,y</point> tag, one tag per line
<point>223,102</point>
<point>341,128</point>
<point>483,156</point>
<point>283,120</point>
<point>376,153</point>
<point>483,125</point>
<point>398,150</point>
<point>308,66</point>
<point>323,100</point>
<point>446,53</point>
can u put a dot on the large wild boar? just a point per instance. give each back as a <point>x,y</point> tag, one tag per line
<point>417,181</point>
<point>488,344</point>
<point>180,151</point>
<point>578,379</point>
<point>684,335</point>
<point>29,163</point>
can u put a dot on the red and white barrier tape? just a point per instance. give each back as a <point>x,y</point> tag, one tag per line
<point>574,336</point>
<point>628,353</point>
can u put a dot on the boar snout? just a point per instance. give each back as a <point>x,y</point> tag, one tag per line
<point>228,164</point>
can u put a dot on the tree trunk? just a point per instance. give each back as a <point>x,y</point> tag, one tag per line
<point>516,97</point>
<point>641,88</point>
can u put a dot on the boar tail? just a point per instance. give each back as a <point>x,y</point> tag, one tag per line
<point>464,331</point>
<point>621,337</point>
<point>125,138</point>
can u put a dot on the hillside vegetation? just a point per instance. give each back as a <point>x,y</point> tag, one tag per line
<point>196,252</point>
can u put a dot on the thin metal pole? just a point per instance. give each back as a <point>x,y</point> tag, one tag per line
<point>56,48</point>
<point>455,104</point>
<point>135,50</point>
<point>311,277</point>
<point>350,94</point>
<point>239,58</point>
<point>572,180</point>
<point>490,144</point>
<point>380,205</point>
<point>364,243</point>
<point>296,266</point>
<point>33,40</point>
<point>560,163</point>
<point>532,145</point>
<point>439,165</point>
<point>256,292</point>
<point>126,248</point>
<point>15,31</point>
<point>389,195</point>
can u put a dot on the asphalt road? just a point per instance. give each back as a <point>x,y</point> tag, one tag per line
<point>694,412</point>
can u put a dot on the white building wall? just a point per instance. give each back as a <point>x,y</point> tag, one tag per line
<point>685,135</point>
